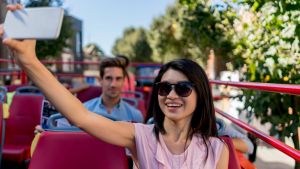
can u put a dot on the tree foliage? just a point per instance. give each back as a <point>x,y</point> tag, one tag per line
<point>165,36</point>
<point>266,39</point>
<point>52,48</point>
<point>188,29</point>
<point>98,50</point>
<point>265,36</point>
<point>133,44</point>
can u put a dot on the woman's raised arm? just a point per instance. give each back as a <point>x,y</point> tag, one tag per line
<point>118,133</point>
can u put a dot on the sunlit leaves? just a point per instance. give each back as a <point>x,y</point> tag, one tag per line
<point>133,44</point>
<point>266,39</point>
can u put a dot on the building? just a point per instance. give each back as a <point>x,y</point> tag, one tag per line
<point>3,52</point>
<point>74,52</point>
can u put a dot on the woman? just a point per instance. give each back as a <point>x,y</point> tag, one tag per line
<point>185,130</point>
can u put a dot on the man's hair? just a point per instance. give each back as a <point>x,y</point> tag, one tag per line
<point>125,59</point>
<point>112,62</point>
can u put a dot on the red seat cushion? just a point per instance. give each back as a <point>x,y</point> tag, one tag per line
<point>76,150</point>
<point>89,93</point>
<point>25,114</point>
<point>16,153</point>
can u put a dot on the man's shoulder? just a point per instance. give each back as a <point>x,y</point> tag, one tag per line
<point>129,107</point>
<point>135,113</point>
<point>92,101</point>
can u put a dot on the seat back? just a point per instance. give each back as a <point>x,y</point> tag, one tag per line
<point>132,101</point>
<point>233,160</point>
<point>89,93</point>
<point>139,96</point>
<point>28,90</point>
<point>76,150</point>
<point>141,107</point>
<point>2,127</point>
<point>146,91</point>
<point>133,94</point>
<point>25,114</point>
<point>3,91</point>
<point>12,88</point>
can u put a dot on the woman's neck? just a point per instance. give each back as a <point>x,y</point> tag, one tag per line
<point>177,131</point>
<point>176,137</point>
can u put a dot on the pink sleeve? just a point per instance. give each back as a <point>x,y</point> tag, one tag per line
<point>218,146</point>
<point>145,144</point>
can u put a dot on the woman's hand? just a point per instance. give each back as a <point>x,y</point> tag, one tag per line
<point>23,50</point>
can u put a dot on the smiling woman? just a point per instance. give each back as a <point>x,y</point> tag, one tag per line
<point>182,107</point>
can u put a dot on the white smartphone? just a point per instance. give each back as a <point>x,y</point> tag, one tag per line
<point>34,23</point>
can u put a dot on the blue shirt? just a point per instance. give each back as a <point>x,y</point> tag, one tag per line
<point>121,112</point>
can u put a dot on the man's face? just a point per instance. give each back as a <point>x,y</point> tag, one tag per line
<point>112,82</point>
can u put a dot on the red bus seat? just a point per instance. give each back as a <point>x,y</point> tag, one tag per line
<point>28,90</point>
<point>3,92</point>
<point>25,114</point>
<point>139,96</point>
<point>76,150</point>
<point>12,88</point>
<point>146,91</point>
<point>1,130</point>
<point>89,93</point>
<point>233,160</point>
<point>141,107</point>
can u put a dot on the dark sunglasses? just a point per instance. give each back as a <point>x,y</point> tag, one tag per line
<point>183,89</point>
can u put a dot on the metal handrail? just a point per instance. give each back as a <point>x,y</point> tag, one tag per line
<point>292,89</point>
<point>295,154</point>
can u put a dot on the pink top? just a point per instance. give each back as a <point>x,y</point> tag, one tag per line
<point>153,154</point>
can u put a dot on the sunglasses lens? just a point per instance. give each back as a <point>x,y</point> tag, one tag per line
<point>164,88</point>
<point>183,89</point>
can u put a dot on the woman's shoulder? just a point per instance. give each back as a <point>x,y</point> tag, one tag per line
<point>216,140</point>
<point>146,128</point>
<point>144,135</point>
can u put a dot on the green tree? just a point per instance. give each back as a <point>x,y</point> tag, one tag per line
<point>165,36</point>
<point>264,35</point>
<point>266,40</point>
<point>188,29</point>
<point>98,51</point>
<point>52,48</point>
<point>134,44</point>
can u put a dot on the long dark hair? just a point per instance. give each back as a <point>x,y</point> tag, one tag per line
<point>203,120</point>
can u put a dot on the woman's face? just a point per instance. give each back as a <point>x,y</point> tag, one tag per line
<point>174,106</point>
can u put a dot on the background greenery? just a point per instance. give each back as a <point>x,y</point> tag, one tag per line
<point>259,38</point>
<point>52,48</point>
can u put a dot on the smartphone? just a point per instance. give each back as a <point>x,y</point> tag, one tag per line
<point>34,23</point>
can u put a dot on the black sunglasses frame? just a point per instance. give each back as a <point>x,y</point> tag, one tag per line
<point>182,89</point>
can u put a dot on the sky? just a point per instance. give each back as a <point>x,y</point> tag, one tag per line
<point>105,20</point>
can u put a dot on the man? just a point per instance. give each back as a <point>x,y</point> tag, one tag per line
<point>109,104</point>
<point>112,78</point>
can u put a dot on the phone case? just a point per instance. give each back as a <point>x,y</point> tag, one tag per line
<point>34,23</point>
